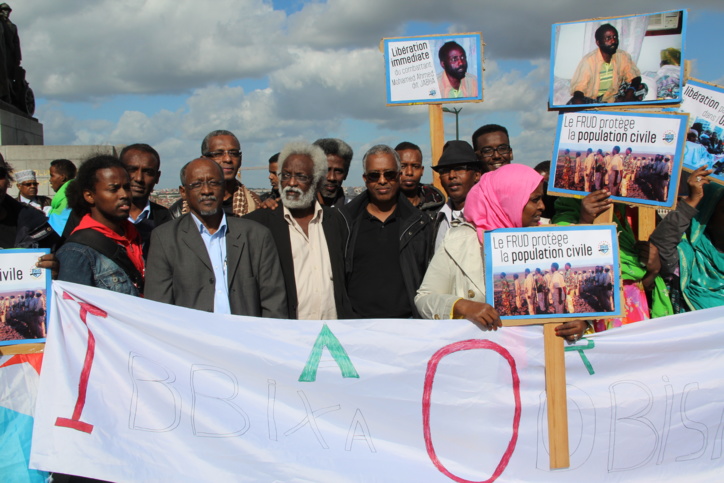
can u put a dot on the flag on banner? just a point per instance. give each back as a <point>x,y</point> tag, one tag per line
<point>133,390</point>
<point>18,388</point>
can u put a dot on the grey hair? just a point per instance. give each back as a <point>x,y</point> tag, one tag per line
<point>213,134</point>
<point>381,149</point>
<point>305,149</point>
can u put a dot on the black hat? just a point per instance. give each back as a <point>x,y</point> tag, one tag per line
<point>456,153</point>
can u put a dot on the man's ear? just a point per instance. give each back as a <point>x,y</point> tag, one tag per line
<point>182,192</point>
<point>89,197</point>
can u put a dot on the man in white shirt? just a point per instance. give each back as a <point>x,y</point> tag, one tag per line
<point>309,237</point>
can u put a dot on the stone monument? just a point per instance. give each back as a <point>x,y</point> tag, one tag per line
<point>17,101</point>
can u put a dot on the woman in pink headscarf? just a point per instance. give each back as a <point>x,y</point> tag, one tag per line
<point>454,284</point>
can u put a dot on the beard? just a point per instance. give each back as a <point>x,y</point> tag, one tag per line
<point>458,73</point>
<point>209,211</point>
<point>610,49</point>
<point>305,199</point>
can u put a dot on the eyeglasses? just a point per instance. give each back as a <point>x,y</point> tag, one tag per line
<point>233,153</point>
<point>211,183</point>
<point>445,171</point>
<point>374,176</point>
<point>30,183</point>
<point>302,178</point>
<point>503,149</point>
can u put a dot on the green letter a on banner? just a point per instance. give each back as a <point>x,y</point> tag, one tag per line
<point>327,339</point>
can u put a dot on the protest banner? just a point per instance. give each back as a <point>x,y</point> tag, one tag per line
<point>647,54</point>
<point>24,289</point>
<point>187,395</point>
<point>704,103</point>
<point>636,156</point>
<point>553,272</point>
<point>434,69</point>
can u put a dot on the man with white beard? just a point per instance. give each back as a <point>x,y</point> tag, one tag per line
<point>309,237</point>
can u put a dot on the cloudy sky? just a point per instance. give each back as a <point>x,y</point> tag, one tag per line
<point>166,72</point>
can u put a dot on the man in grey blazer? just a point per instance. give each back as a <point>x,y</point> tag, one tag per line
<point>207,261</point>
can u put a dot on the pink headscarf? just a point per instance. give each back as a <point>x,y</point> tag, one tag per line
<point>497,201</point>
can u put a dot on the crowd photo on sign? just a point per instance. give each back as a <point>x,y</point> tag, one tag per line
<point>623,173</point>
<point>555,290</point>
<point>348,229</point>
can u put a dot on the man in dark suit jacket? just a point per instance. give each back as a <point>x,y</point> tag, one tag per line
<point>310,238</point>
<point>207,261</point>
<point>144,168</point>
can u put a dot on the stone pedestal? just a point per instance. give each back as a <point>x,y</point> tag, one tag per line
<point>19,129</point>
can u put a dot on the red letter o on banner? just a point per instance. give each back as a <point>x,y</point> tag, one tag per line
<point>427,392</point>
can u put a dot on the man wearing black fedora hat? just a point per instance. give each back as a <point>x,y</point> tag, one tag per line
<point>459,170</point>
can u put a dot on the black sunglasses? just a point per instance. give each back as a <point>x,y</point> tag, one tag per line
<point>375,176</point>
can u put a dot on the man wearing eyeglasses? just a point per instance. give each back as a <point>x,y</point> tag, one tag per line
<point>492,146</point>
<point>309,237</point>
<point>459,171</point>
<point>209,261</point>
<point>390,243</point>
<point>28,191</point>
<point>223,147</point>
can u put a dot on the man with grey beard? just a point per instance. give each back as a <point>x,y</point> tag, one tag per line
<point>309,237</point>
<point>208,261</point>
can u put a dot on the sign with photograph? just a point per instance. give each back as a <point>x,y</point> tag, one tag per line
<point>553,272</point>
<point>637,157</point>
<point>630,60</point>
<point>434,69</point>
<point>24,292</point>
<point>705,105</point>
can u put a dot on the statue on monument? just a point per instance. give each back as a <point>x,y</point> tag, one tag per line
<point>14,89</point>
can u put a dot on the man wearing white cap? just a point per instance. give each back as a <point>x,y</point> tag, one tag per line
<point>28,188</point>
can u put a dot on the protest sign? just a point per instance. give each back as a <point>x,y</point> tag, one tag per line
<point>186,395</point>
<point>636,156</point>
<point>434,69</point>
<point>553,272</point>
<point>24,289</point>
<point>647,55</point>
<point>705,105</point>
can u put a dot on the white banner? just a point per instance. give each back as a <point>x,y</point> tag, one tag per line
<point>159,393</point>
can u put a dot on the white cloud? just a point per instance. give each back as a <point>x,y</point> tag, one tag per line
<point>111,47</point>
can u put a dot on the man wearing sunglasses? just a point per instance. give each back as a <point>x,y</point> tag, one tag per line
<point>390,242</point>
<point>459,171</point>
<point>28,191</point>
<point>224,149</point>
<point>309,237</point>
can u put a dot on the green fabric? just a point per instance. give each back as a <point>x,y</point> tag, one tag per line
<point>701,265</point>
<point>60,202</point>
<point>568,212</point>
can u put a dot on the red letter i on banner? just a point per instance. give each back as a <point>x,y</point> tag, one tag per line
<point>74,422</point>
